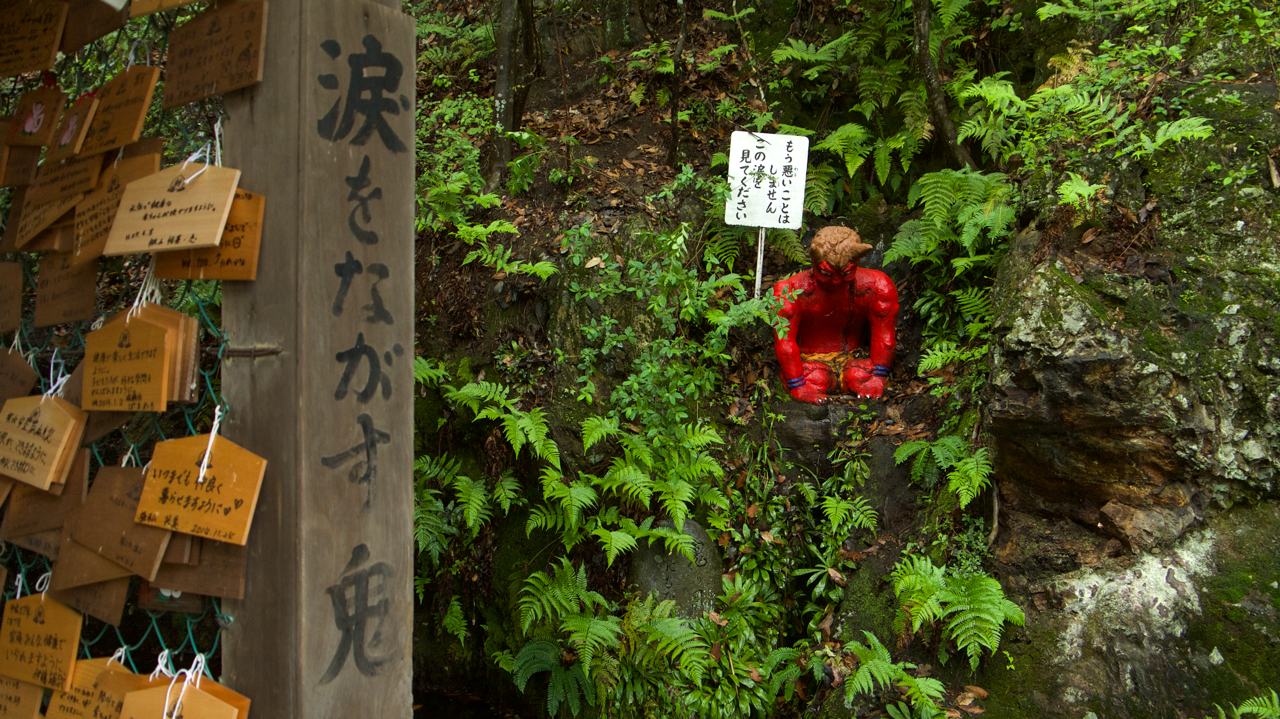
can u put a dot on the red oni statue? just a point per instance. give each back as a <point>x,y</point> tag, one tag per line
<point>833,309</point>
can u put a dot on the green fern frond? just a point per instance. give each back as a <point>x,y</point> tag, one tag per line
<point>614,542</point>
<point>788,242</point>
<point>970,476</point>
<point>591,635</point>
<point>976,609</point>
<point>849,142</point>
<point>454,622</point>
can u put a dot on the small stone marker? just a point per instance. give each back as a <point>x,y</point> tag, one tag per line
<point>19,700</point>
<point>10,296</point>
<point>31,30</point>
<point>127,366</point>
<point>97,211</point>
<point>39,437</point>
<point>221,507</point>
<point>106,524</point>
<point>36,117</point>
<point>122,109</point>
<point>39,638</point>
<point>183,207</point>
<point>65,292</point>
<point>234,259</point>
<point>217,52</point>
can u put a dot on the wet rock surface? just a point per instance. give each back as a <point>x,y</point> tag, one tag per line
<point>693,586</point>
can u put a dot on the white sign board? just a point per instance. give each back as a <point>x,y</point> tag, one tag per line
<point>766,179</point>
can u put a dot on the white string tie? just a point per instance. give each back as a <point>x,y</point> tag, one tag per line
<point>119,657</point>
<point>208,451</point>
<point>163,665</point>
<point>202,154</point>
<point>148,293</point>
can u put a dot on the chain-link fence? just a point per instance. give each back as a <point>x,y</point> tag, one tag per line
<point>145,635</point>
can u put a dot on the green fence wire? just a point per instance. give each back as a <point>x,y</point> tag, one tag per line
<point>144,635</point>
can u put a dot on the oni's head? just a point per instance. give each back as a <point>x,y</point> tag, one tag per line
<point>835,252</point>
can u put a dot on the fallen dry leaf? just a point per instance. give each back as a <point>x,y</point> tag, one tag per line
<point>977,691</point>
<point>836,576</point>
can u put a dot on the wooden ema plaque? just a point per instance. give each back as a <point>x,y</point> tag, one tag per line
<point>104,601</point>
<point>39,437</point>
<point>31,30</point>
<point>217,52</point>
<point>219,573</point>
<point>122,109</point>
<point>19,700</point>
<point>100,424</point>
<point>234,259</point>
<point>138,8</point>
<point>69,136</point>
<point>181,347</point>
<point>16,376</point>
<point>196,704</point>
<point>93,19</point>
<point>65,292</point>
<point>32,511</point>
<point>219,508</point>
<point>39,637</point>
<point>97,210</point>
<point>20,166</point>
<point>37,218</point>
<point>10,296</point>
<point>60,237</point>
<point>79,566</point>
<point>127,366</point>
<point>106,524</point>
<point>60,180</point>
<point>36,117</point>
<point>76,702</point>
<point>174,209</point>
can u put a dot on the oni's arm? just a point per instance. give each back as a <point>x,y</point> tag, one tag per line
<point>787,348</point>
<point>882,317</point>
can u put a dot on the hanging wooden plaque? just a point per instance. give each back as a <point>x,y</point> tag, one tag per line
<point>217,52</point>
<point>138,8</point>
<point>32,511</point>
<point>219,508</point>
<point>97,210</point>
<point>69,136</point>
<point>220,572</point>
<point>157,599</point>
<point>65,292</point>
<point>60,237</point>
<point>234,259</point>
<point>79,566</point>
<point>39,437</point>
<point>20,166</point>
<point>104,601</point>
<point>37,218</point>
<point>19,700</point>
<point>122,109</point>
<point>46,543</point>
<point>181,347</point>
<point>10,296</point>
<point>127,367</point>
<point>183,549</point>
<point>77,701</point>
<point>106,525</point>
<point>16,376</point>
<point>100,424</point>
<point>183,207</point>
<point>196,704</point>
<point>91,20</point>
<point>59,180</point>
<point>36,117</point>
<point>39,638</point>
<point>31,30</point>
<point>111,688</point>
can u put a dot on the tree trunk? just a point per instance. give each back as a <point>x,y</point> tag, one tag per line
<point>933,85</point>
<point>504,99</point>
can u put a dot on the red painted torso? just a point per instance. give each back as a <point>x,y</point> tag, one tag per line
<point>835,321</point>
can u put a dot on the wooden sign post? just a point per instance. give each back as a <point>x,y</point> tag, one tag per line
<point>766,183</point>
<point>317,371</point>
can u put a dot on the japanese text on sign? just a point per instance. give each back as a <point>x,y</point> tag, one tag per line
<point>766,180</point>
